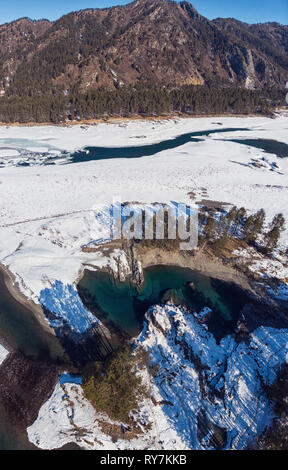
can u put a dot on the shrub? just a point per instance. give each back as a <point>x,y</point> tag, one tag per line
<point>114,387</point>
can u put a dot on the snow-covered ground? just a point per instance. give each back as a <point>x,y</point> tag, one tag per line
<point>3,354</point>
<point>204,395</point>
<point>69,417</point>
<point>266,268</point>
<point>138,132</point>
<point>193,368</point>
<point>48,212</point>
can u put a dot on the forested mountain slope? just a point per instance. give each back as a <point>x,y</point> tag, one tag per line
<point>146,43</point>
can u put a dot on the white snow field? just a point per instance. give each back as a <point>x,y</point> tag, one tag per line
<point>46,212</point>
<point>69,417</point>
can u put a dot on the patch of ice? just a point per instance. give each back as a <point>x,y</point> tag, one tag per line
<point>9,152</point>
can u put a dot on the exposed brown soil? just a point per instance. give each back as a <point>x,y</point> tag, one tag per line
<point>25,385</point>
<point>200,261</point>
<point>120,119</point>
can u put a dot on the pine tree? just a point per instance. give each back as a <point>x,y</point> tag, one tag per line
<point>273,236</point>
<point>223,226</point>
<point>259,222</point>
<point>279,221</point>
<point>210,227</point>
<point>239,220</point>
<point>231,216</point>
<point>253,226</point>
<point>248,229</point>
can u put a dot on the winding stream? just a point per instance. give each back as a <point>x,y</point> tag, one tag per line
<point>27,156</point>
<point>102,153</point>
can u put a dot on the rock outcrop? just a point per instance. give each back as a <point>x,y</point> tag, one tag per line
<point>217,392</point>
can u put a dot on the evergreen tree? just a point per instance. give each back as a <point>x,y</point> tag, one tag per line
<point>259,222</point>
<point>114,388</point>
<point>231,216</point>
<point>248,229</point>
<point>273,236</point>
<point>239,220</point>
<point>40,101</point>
<point>210,227</point>
<point>279,221</point>
<point>253,226</point>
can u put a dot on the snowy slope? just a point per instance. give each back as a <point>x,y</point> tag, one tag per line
<point>48,212</point>
<point>204,396</point>
<point>193,368</point>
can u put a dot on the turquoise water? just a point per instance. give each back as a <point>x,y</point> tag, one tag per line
<point>124,306</point>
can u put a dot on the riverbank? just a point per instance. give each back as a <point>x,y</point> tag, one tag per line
<point>23,326</point>
<point>200,261</point>
<point>15,292</point>
<point>261,308</point>
<point>30,370</point>
<point>136,117</point>
<point>40,377</point>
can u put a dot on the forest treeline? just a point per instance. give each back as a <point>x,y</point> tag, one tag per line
<point>217,227</point>
<point>144,101</point>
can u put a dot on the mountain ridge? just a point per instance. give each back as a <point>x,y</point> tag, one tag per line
<point>146,41</point>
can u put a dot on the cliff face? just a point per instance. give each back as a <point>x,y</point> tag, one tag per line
<point>214,395</point>
<point>202,394</point>
<point>157,41</point>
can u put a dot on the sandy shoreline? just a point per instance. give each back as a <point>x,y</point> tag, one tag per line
<point>119,119</point>
<point>19,297</point>
<point>203,263</point>
<point>200,261</point>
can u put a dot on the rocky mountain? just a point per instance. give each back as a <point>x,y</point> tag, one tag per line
<point>203,394</point>
<point>15,39</point>
<point>156,41</point>
<point>216,395</point>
